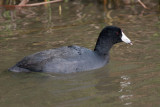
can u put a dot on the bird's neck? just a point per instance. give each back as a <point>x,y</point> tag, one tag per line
<point>103,46</point>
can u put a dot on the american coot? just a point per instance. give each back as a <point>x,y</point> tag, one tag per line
<point>74,58</point>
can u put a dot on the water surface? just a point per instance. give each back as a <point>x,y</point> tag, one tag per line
<point>130,79</point>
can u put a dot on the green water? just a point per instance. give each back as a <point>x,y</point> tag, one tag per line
<point>130,79</point>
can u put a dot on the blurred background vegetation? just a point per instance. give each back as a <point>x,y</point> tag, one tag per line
<point>107,3</point>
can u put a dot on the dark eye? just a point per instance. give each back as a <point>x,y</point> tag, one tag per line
<point>117,33</point>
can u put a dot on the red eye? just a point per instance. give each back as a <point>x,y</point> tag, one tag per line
<point>117,33</point>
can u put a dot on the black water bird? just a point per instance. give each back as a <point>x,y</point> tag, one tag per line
<point>74,58</point>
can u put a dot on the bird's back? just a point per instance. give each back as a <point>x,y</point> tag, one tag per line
<point>65,59</point>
